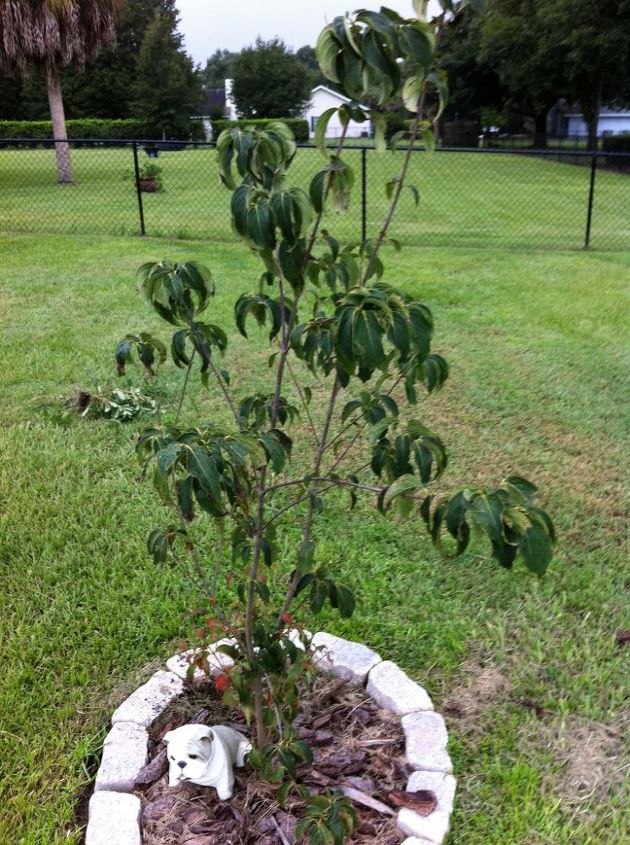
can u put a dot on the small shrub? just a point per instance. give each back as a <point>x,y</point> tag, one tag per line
<point>331,315</point>
<point>298,126</point>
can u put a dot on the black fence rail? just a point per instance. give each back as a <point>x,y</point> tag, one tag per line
<point>491,198</point>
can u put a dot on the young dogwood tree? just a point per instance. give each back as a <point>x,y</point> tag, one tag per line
<point>330,311</point>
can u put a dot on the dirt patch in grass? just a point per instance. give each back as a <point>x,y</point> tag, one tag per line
<point>356,746</point>
<point>484,687</point>
<point>593,759</point>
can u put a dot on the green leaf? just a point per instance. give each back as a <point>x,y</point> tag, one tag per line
<point>420,8</point>
<point>201,466</point>
<point>402,485</point>
<point>317,189</point>
<point>123,354</point>
<point>305,555</point>
<point>380,127</point>
<point>525,491</point>
<point>412,91</point>
<point>168,456</point>
<point>415,193</point>
<point>536,548</point>
<point>260,226</point>
<point>320,130</point>
<point>326,51</point>
<point>346,602</point>
<point>419,43</point>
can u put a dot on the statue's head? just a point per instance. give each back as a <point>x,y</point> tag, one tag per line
<point>189,749</point>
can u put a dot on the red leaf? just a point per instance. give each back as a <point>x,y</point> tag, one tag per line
<point>286,618</point>
<point>221,683</point>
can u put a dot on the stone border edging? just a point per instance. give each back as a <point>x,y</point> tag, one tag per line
<point>114,813</point>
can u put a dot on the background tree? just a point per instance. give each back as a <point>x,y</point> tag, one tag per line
<point>48,35</point>
<point>529,57</point>
<point>286,90</point>
<point>168,86</point>
<point>594,39</point>
<point>307,56</point>
<point>106,89</point>
<point>474,84</point>
<point>218,68</point>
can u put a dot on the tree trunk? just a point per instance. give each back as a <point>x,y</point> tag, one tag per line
<point>540,131</point>
<point>592,133</point>
<point>62,150</point>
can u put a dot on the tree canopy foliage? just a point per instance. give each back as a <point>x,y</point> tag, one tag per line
<point>270,81</point>
<point>106,89</point>
<point>547,49</point>
<point>218,68</point>
<point>168,87</point>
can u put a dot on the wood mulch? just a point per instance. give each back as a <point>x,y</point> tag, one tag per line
<point>357,747</point>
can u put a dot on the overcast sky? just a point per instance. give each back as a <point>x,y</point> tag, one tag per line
<point>208,25</point>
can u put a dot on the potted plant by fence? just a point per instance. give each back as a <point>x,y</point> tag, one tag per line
<point>336,319</point>
<point>149,177</point>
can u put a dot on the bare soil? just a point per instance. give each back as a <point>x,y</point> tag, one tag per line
<point>357,747</point>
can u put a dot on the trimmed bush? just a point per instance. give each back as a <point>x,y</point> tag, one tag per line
<point>297,125</point>
<point>617,144</point>
<point>460,133</point>
<point>105,130</point>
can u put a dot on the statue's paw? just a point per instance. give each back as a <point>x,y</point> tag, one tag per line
<point>224,794</point>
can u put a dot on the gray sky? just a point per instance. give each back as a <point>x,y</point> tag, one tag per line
<point>232,24</point>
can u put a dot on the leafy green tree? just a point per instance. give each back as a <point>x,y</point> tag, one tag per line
<point>168,87</point>
<point>516,41</point>
<point>308,57</point>
<point>106,88</point>
<point>474,84</point>
<point>218,68</point>
<point>48,35</point>
<point>333,318</point>
<point>594,39</point>
<point>269,81</point>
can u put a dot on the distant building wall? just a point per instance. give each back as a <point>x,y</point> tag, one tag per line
<point>610,123</point>
<point>323,99</point>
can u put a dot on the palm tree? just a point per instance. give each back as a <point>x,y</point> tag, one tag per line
<point>48,35</point>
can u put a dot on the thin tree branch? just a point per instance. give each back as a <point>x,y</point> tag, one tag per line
<point>185,386</point>
<point>415,126</point>
<point>226,394</point>
<point>300,391</point>
<point>308,521</point>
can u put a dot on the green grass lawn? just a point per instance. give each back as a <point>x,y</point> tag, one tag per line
<point>527,671</point>
<point>467,199</point>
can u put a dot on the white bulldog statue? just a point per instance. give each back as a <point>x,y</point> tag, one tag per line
<point>206,756</point>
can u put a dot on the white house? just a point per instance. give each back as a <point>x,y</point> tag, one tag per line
<point>324,98</point>
<point>610,123</point>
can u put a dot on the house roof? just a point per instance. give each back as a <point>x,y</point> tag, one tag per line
<point>212,98</point>
<point>337,94</point>
<point>331,92</point>
<point>621,113</point>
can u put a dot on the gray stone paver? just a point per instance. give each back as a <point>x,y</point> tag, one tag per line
<point>150,700</point>
<point>426,739</point>
<point>343,658</point>
<point>435,826</point>
<point>390,687</point>
<point>124,754</point>
<point>113,819</point>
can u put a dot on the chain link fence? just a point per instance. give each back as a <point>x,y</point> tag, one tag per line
<point>493,198</point>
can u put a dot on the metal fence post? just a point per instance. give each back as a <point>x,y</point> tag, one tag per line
<point>591,193</point>
<point>363,194</point>
<point>136,168</point>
